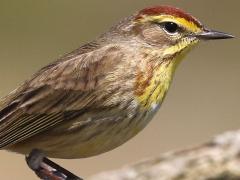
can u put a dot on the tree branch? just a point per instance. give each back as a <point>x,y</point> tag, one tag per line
<point>218,159</point>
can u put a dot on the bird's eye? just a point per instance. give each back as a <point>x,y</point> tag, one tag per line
<point>170,27</point>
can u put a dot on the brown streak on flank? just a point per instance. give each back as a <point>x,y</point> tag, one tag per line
<point>167,10</point>
<point>143,80</point>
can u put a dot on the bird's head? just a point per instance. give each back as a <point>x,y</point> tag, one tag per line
<point>165,35</point>
<point>171,29</point>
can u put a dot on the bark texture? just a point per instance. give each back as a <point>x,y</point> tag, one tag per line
<point>218,159</point>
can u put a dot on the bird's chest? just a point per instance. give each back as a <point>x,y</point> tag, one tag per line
<point>152,85</point>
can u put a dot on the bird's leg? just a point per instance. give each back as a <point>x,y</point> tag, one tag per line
<point>47,169</point>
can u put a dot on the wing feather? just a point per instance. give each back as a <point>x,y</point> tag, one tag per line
<point>58,93</point>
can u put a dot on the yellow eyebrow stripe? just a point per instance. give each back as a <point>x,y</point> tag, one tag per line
<point>164,18</point>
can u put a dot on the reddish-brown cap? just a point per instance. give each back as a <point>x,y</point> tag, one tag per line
<point>167,10</point>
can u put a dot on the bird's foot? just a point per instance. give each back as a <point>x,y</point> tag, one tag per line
<point>34,159</point>
<point>46,169</point>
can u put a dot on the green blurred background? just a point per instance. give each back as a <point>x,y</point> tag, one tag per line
<point>203,100</point>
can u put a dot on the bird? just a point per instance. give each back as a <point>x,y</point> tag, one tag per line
<point>102,94</point>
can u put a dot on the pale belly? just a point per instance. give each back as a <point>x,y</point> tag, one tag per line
<point>89,139</point>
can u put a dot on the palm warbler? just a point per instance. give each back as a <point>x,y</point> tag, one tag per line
<point>102,94</point>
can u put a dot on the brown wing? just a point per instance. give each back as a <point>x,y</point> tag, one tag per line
<point>57,93</point>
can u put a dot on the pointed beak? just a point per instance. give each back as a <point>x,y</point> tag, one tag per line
<point>213,35</point>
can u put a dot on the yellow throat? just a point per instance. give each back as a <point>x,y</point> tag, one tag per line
<point>154,93</point>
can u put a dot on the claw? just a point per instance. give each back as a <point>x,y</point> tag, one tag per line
<point>46,169</point>
<point>34,159</point>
